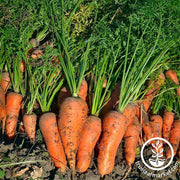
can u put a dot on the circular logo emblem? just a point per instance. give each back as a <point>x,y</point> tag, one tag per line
<point>157,161</point>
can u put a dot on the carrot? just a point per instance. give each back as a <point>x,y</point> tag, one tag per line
<point>156,124</point>
<point>174,138</point>
<point>83,90</point>
<point>144,118</point>
<point>22,66</point>
<point>49,129</point>
<point>154,87</point>
<point>13,106</point>
<point>114,98</point>
<point>36,54</point>
<point>72,115</point>
<point>113,129</point>
<point>29,121</point>
<point>168,118</point>
<point>130,112</point>
<point>90,135</point>
<point>5,81</point>
<point>173,76</point>
<point>2,108</point>
<point>130,140</point>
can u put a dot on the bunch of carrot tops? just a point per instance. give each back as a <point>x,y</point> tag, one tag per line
<point>104,95</point>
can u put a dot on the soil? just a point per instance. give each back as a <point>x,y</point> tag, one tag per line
<point>21,150</point>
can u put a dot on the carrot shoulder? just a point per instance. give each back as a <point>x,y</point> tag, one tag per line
<point>130,140</point>
<point>130,112</point>
<point>174,138</point>
<point>2,108</point>
<point>90,135</point>
<point>72,115</point>
<point>113,129</point>
<point>13,106</point>
<point>168,118</point>
<point>49,129</point>
<point>5,81</point>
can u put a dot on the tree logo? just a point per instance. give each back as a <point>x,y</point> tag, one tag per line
<point>157,161</point>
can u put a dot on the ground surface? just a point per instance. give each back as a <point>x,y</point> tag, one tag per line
<point>21,150</point>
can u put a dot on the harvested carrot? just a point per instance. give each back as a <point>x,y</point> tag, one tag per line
<point>2,108</point>
<point>168,118</point>
<point>90,135</point>
<point>174,138</point>
<point>130,140</point>
<point>144,118</point>
<point>22,66</point>
<point>173,76</point>
<point>156,124</point>
<point>83,90</point>
<point>13,106</point>
<point>5,81</point>
<point>113,130</point>
<point>130,112</point>
<point>29,121</point>
<point>72,115</point>
<point>154,87</point>
<point>114,98</point>
<point>36,54</point>
<point>49,129</point>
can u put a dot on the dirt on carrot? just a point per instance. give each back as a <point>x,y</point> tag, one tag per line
<point>72,115</point>
<point>2,109</point>
<point>13,106</point>
<point>49,128</point>
<point>113,129</point>
<point>90,135</point>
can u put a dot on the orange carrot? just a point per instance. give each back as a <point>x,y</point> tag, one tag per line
<point>168,118</point>
<point>173,76</point>
<point>174,138</point>
<point>13,106</point>
<point>130,112</point>
<point>22,66</point>
<point>72,115</point>
<point>130,140</point>
<point>144,120</point>
<point>5,81</point>
<point>113,129</point>
<point>154,87</point>
<point>114,98</point>
<point>49,129</point>
<point>2,108</point>
<point>156,124</point>
<point>29,121</point>
<point>36,54</point>
<point>83,90</point>
<point>90,135</point>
